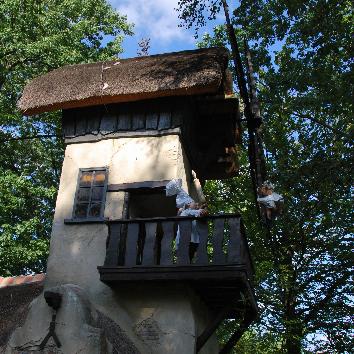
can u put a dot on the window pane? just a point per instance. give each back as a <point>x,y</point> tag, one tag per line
<point>100,177</point>
<point>90,193</point>
<point>83,195</point>
<point>97,194</point>
<point>95,210</point>
<point>85,179</point>
<point>81,210</point>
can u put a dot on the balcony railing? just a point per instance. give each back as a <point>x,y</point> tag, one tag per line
<point>152,242</point>
<point>219,270</point>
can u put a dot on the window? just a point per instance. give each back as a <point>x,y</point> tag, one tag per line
<point>90,194</point>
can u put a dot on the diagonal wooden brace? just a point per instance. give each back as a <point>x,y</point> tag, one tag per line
<point>211,327</point>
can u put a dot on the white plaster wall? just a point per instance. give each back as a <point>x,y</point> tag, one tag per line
<point>169,312</point>
<point>83,247</point>
<point>77,250</point>
<point>185,172</point>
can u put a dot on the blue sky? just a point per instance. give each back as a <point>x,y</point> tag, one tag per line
<point>157,20</point>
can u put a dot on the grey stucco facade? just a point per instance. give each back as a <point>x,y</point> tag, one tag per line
<point>157,319</point>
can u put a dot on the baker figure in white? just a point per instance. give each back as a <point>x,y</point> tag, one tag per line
<point>186,207</point>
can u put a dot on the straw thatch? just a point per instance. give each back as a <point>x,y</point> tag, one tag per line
<point>181,73</point>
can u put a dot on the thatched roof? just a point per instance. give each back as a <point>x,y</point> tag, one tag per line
<point>181,73</point>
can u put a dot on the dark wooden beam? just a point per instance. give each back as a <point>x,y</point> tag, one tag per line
<point>212,326</point>
<point>176,218</point>
<point>136,185</point>
<point>92,138</point>
<point>226,273</point>
<point>237,335</point>
<point>85,221</point>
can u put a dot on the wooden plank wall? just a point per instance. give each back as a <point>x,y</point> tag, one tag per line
<point>115,118</point>
<point>206,127</point>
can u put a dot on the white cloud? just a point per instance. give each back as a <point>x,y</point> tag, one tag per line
<point>156,19</point>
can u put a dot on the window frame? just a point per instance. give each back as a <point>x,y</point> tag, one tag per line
<point>103,200</point>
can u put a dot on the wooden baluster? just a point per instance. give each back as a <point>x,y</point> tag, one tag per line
<point>185,228</point>
<point>202,254</point>
<point>218,237</point>
<point>166,243</point>
<point>131,245</point>
<point>149,246</point>
<point>114,238</point>
<point>234,246</point>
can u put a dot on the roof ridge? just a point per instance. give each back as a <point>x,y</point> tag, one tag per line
<point>21,279</point>
<point>144,57</point>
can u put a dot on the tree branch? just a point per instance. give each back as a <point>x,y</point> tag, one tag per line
<point>39,136</point>
<point>325,125</point>
<point>318,305</point>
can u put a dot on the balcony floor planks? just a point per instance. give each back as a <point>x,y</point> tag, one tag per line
<point>215,284</point>
<point>217,280</point>
<point>189,272</point>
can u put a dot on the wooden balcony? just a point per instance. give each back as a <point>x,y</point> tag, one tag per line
<point>220,270</point>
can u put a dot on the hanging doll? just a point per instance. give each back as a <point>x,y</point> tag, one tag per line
<point>271,203</point>
<point>186,207</point>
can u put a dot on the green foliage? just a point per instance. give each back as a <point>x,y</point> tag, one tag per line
<point>35,37</point>
<point>195,13</point>
<point>301,52</point>
<point>251,342</point>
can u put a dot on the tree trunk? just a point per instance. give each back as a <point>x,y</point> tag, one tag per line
<point>294,328</point>
<point>294,334</point>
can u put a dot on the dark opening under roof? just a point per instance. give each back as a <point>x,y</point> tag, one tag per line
<point>194,72</point>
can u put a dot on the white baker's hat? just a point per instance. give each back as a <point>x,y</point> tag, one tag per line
<point>174,187</point>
